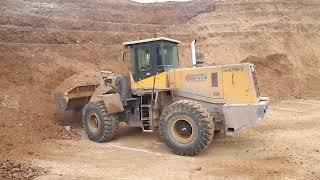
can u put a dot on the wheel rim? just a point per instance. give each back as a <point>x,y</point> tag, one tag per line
<point>182,129</point>
<point>93,123</point>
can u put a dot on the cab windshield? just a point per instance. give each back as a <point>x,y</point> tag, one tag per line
<point>154,58</point>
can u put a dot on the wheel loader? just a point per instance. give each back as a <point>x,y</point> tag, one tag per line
<point>186,105</point>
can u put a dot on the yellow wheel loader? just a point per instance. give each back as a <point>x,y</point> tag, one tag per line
<point>186,105</point>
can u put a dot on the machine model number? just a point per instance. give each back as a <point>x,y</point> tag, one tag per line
<point>233,69</point>
<point>196,77</point>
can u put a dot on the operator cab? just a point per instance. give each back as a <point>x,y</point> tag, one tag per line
<point>152,56</point>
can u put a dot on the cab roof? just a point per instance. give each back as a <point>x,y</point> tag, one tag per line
<point>151,40</point>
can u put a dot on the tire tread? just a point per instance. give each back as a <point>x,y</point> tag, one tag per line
<point>205,120</point>
<point>110,122</point>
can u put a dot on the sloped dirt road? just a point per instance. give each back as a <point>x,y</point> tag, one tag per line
<point>285,146</point>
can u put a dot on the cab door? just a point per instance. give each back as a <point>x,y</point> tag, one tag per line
<point>143,62</point>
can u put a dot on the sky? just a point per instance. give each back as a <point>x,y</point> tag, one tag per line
<point>148,1</point>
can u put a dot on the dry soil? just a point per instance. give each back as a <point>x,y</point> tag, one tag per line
<point>284,146</point>
<point>44,42</point>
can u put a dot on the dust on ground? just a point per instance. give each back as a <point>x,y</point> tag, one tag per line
<point>284,146</point>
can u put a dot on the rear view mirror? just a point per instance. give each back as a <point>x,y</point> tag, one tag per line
<point>199,58</point>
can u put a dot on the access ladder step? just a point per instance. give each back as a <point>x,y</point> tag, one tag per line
<point>146,105</point>
<point>148,131</point>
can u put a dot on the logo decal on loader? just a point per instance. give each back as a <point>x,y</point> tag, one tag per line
<point>196,77</point>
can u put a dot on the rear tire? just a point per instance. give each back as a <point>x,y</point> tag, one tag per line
<point>186,127</point>
<point>100,126</point>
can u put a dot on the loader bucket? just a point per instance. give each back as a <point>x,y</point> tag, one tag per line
<point>75,91</point>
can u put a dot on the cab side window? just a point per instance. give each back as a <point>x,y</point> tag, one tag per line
<point>170,56</point>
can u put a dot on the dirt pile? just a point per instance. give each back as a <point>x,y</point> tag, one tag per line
<point>280,79</point>
<point>16,171</point>
<point>79,79</point>
<point>22,131</point>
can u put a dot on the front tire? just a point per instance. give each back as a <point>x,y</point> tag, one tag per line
<point>100,126</point>
<point>186,127</point>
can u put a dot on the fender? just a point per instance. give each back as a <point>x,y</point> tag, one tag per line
<point>112,102</point>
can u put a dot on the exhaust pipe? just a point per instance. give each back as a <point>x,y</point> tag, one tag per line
<point>193,53</point>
